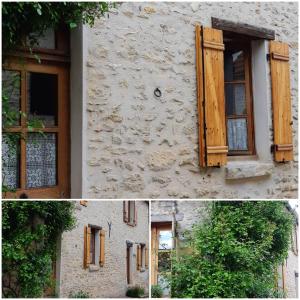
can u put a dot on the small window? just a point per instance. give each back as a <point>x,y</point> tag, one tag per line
<point>92,246</point>
<point>238,95</point>
<point>130,213</point>
<point>294,240</point>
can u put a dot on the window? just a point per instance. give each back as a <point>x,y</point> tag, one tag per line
<point>130,213</point>
<point>94,246</point>
<point>129,262</point>
<point>294,240</point>
<point>36,163</point>
<point>142,257</point>
<point>225,97</point>
<point>238,96</point>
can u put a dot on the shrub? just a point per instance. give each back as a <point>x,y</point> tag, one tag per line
<point>235,253</point>
<point>79,294</point>
<point>135,292</point>
<point>156,291</point>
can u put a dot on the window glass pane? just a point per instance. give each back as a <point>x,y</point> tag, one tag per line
<point>234,65</point>
<point>11,84</point>
<point>237,134</point>
<point>47,41</point>
<point>10,162</point>
<point>235,99</point>
<point>165,239</point>
<point>131,211</point>
<point>92,246</point>
<point>164,261</point>
<point>41,160</point>
<point>42,91</point>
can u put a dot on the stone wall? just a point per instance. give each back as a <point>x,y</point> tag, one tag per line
<point>140,145</point>
<point>109,280</point>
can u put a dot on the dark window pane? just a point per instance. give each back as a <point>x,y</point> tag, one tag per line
<point>237,134</point>
<point>234,65</point>
<point>41,160</point>
<point>10,161</point>
<point>43,97</point>
<point>235,99</point>
<point>11,91</point>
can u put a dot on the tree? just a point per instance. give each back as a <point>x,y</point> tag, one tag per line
<point>235,253</point>
<point>30,230</point>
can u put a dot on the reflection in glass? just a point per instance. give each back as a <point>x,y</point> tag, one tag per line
<point>10,162</point>
<point>11,84</point>
<point>234,65</point>
<point>237,134</point>
<point>41,160</point>
<point>235,99</point>
<point>42,91</point>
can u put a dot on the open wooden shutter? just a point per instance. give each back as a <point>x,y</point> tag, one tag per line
<point>87,244</point>
<point>102,248</point>
<point>281,101</point>
<point>125,211</point>
<point>211,99</point>
<point>146,257</point>
<point>138,257</point>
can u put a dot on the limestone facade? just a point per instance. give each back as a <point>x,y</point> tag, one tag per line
<point>144,146</point>
<point>109,281</point>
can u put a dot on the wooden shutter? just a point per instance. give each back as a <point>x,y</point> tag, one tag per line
<point>102,248</point>
<point>125,211</point>
<point>281,101</point>
<point>146,258</point>
<point>83,202</point>
<point>138,257</point>
<point>135,214</point>
<point>211,99</point>
<point>87,244</point>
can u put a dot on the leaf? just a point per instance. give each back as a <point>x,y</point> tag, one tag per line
<point>72,25</point>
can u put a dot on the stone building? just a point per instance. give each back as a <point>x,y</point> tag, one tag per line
<point>107,251</point>
<point>138,81</point>
<point>169,221</point>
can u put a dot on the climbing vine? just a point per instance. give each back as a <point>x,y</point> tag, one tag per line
<point>235,252</point>
<point>30,230</point>
<point>23,23</point>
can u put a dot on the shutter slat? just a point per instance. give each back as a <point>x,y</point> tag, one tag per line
<point>213,59</point>
<point>146,258</point>
<point>102,248</point>
<point>281,101</point>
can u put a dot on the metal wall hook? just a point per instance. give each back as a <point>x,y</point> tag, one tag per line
<point>157,93</point>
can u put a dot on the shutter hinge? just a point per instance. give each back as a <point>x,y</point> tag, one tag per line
<point>272,148</point>
<point>268,57</point>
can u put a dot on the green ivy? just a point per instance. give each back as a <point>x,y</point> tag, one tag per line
<point>235,252</point>
<point>30,230</point>
<point>32,19</point>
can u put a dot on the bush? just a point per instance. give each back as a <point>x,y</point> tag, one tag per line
<point>156,291</point>
<point>235,253</point>
<point>80,294</point>
<point>135,292</point>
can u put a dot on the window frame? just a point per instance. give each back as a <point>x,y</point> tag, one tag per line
<point>245,46</point>
<point>127,213</point>
<point>62,131</point>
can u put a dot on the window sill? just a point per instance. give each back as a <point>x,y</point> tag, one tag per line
<point>250,168</point>
<point>94,268</point>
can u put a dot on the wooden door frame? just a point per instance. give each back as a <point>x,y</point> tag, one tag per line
<point>156,227</point>
<point>62,189</point>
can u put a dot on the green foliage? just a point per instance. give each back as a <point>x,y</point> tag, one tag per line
<point>156,291</point>
<point>29,234</point>
<point>235,253</point>
<point>31,19</point>
<point>135,292</point>
<point>80,294</point>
